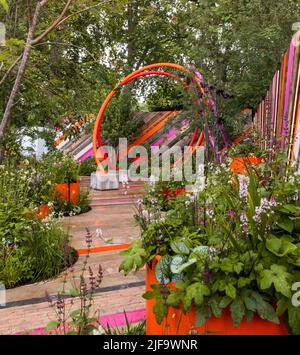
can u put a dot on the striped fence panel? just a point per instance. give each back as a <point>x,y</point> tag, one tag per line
<point>277,116</point>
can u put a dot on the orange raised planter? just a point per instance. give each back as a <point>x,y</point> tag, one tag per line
<point>239,164</point>
<point>44,211</point>
<point>40,212</point>
<point>68,192</point>
<point>171,195</point>
<point>178,323</point>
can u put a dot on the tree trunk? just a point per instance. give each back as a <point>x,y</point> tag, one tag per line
<point>17,84</point>
<point>132,18</point>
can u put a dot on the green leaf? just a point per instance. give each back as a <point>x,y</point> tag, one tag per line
<point>294,319</point>
<point>160,307</point>
<point>238,267</point>
<point>179,247</point>
<point>278,276</point>
<point>249,315</point>
<point>203,314</point>
<point>175,299</point>
<point>280,246</point>
<point>243,281</point>
<point>134,258</point>
<point>250,303</point>
<point>237,309</point>
<point>225,301</point>
<point>264,309</point>
<point>74,292</point>
<point>160,310</point>
<point>230,291</point>
<point>282,306</point>
<point>176,262</point>
<point>178,265</point>
<point>75,314</point>
<point>200,316</point>
<point>50,326</point>
<point>127,265</point>
<point>286,224</point>
<point>216,309</point>
<point>149,295</point>
<point>254,199</point>
<point>4,5</point>
<point>195,293</point>
<point>162,270</point>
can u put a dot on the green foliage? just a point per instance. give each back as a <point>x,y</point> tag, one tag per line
<point>129,329</point>
<point>78,321</point>
<point>78,65</point>
<point>68,208</point>
<point>87,167</point>
<point>4,5</point>
<point>134,258</point>
<point>233,244</point>
<point>62,168</point>
<point>31,249</point>
<point>159,293</point>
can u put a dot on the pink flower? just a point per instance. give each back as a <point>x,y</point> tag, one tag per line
<point>230,213</point>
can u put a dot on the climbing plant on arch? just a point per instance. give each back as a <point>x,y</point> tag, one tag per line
<point>193,82</point>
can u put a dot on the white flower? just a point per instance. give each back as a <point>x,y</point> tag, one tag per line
<point>209,213</point>
<point>152,180</point>
<point>243,186</point>
<point>139,202</point>
<point>99,233</point>
<point>99,331</point>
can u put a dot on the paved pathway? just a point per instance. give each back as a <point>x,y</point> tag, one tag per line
<point>112,211</point>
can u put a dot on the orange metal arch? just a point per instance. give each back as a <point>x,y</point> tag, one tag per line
<point>140,72</point>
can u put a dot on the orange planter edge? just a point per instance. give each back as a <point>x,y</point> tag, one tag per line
<point>178,323</point>
<point>62,192</point>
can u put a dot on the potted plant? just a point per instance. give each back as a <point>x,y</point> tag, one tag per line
<point>64,172</point>
<point>223,261</point>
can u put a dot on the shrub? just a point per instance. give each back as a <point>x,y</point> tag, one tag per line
<point>30,249</point>
<point>87,167</point>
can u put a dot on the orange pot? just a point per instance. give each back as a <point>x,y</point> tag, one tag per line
<point>40,212</point>
<point>239,164</point>
<point>178,323</point>
<point>44,211</point>
<point>172,195</point>
<point>68,192</point>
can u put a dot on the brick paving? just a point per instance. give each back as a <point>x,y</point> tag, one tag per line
<point>26,306</point>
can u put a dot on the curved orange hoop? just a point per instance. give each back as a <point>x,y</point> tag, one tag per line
<point>136,74</point>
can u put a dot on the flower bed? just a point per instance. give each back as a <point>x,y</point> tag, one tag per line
<point>233,246</point>
<point>33,243</point>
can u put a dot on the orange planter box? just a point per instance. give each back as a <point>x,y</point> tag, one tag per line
<point>40,212</point>
<point>68,192</point>
<point>44,211</point>
<point>173,194</point>
<point>239,164</point>
<point>178,323</point>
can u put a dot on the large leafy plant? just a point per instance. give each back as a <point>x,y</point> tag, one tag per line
<point>236,244</point>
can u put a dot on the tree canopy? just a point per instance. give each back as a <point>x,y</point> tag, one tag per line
<point>236,44</point>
